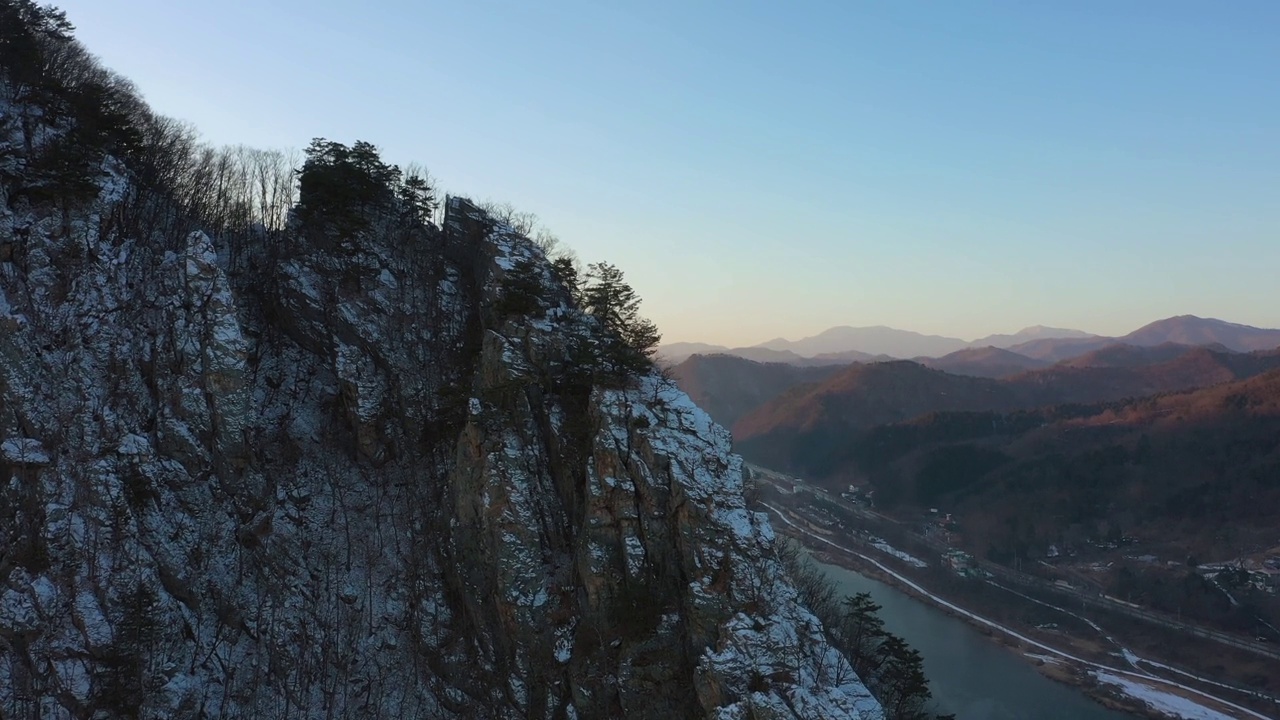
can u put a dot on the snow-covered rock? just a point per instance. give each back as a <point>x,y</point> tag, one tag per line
<point>325,476</point>
<point>24,451</point>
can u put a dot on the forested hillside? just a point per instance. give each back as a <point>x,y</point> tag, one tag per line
<point>812,429</point>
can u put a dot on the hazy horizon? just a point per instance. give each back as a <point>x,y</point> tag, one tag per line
<point>777,170</point>
<point>762,341</point>
<point>800,336</point>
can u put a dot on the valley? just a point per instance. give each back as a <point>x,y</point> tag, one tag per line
<point>1115,509</point>
<point>1068,634</point>
<point>1177,450</point>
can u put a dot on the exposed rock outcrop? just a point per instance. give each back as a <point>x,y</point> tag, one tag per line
<point>337,479</point>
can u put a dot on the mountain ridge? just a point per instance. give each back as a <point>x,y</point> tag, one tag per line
<point>728,386</point>
<point>1037,342</point>
<point>989,361</point>
<point>1171,471</point>
<point>801,429</point>
<point>1180,329</point>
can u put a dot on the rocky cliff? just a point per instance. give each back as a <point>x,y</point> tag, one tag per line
<point>349,475</point>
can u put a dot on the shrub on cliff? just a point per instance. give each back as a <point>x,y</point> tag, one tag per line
<point>630,340</point>
<point>340,188</point>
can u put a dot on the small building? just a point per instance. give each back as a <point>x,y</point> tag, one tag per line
<point>1266,578</point>
<point>962,564</point>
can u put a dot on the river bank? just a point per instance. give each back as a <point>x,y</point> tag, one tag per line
<point>1080,664</point>
<point>1052,667</point>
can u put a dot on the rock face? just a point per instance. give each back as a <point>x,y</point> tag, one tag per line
<point>301,479</point>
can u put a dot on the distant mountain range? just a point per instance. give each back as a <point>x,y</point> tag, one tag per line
<point>989,362</point>
<point>1038,343</point>
<point>806,427</point>
<point>728,387</point>
<point>1182,330</point>
<point>862,344</point>
<point>873,340</point>
<point>1035,332</point>
<point>675,353</point>
<point>1168,437</point>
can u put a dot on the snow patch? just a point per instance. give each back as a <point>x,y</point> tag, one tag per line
<point>24,451</point>
<point>564,645</point>
<point>1159,700</point>
<point>93,623</point>
<point>907,558</point>
<point>134,445</point>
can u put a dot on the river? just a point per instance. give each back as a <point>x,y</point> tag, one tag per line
<point>970,675</point>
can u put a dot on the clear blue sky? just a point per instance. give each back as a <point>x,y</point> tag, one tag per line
<point>766,168</point>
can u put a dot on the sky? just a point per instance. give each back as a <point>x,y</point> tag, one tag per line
<point>762,169</point>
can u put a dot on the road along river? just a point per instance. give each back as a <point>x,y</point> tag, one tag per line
<point>969,675</point>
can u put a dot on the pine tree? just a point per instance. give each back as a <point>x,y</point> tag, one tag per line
<point>860,632</point>
<point>642,336</point>
<point>609,298</point>
<point>377,179</point>
<point>417,199</point>
<point>341,186</point>
<point>522,291</point>
<point>567,273</point>
<point>901,686</point>
<point>630,339</point>
<point>893,671</point>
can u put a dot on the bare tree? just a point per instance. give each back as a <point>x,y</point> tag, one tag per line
<point>546,241</point>
<point>525,223</point>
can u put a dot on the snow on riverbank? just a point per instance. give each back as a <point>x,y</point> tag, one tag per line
<point>1141,682</point>
<point>911,560</point>
<point>1160,701</point>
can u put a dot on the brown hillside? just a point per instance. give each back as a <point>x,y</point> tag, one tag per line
<point>1192,330</point>
<point>988,362</point>
<point>727,386</point>
<point>1125,355</point>
<point>1175,469</point>
<point>808,428</point>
